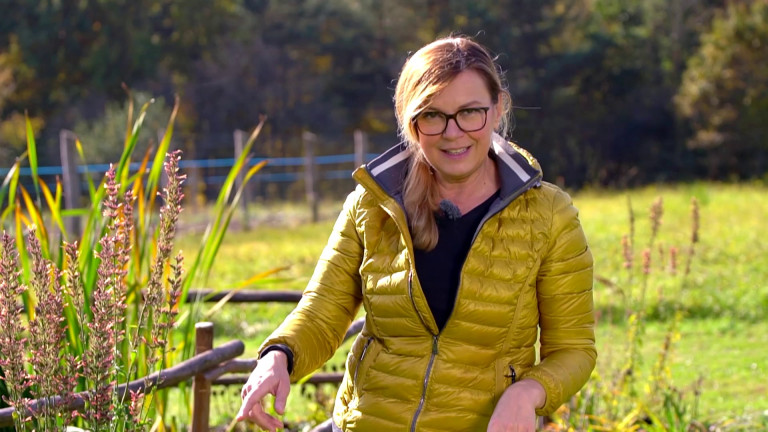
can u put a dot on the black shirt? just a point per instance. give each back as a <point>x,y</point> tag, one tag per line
<point>439,270</point>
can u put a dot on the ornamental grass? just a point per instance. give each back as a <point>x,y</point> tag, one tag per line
<point>82,313</point>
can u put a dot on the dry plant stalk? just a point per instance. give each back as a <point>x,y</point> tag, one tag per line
<point>12,341</point>
<point>53,374</point>
<point>159,307</point>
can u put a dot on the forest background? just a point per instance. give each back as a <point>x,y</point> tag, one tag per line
<point>608,92</point>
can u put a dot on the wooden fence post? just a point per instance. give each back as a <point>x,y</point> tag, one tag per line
<point>71,181</point>
<point>310,173</point>
<point>201,389</point>
<point>239,137</point>
<point>361,147</point>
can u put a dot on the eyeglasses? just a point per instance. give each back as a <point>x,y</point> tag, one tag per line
<point>435,122</point>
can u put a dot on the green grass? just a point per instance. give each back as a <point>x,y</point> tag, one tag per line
<point>723,338</point>
<point>730,269</point>
<point>729,357</point>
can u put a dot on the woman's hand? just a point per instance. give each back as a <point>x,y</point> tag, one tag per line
<point>516,410</point>
<point>269,377</point>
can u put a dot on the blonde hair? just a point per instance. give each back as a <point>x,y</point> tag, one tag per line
<point>427,72</point>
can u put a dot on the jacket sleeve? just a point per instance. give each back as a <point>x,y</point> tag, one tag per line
<point>316,327</point>
<point>566,315</point>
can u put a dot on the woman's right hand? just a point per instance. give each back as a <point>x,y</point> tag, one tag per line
<point>269,377</point>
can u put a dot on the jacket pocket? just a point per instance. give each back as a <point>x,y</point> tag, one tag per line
<point>360,361</point>
<point>365,360</point>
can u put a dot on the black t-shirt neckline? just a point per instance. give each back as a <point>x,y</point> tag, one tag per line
<point>439,270</point>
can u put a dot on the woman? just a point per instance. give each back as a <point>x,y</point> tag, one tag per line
<point>460,254</point>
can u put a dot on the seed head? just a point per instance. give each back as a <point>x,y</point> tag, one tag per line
<point>646,261</point>
<point>673,260</point>
<point>627,251</point>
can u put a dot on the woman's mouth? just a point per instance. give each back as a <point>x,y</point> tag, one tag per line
<point>456,152</point>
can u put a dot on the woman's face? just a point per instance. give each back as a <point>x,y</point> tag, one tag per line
<point>455,155</point>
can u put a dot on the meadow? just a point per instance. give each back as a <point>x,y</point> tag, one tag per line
<point>718,360</point>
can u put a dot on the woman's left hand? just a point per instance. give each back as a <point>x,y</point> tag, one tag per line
<point>516,410</point>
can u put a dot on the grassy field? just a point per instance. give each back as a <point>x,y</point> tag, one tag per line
<point>722,351</point>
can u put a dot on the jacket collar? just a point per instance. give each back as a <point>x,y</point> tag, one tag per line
<point>518,170</point>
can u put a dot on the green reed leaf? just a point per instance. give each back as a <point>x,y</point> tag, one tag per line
<point>32,151</point>
<point>121,170</point>
<point>157,164</point>
<point>7,186</point>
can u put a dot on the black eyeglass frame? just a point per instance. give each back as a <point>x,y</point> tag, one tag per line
<point>448,117</point>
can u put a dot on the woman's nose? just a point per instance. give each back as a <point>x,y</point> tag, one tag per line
<point>452,129</point>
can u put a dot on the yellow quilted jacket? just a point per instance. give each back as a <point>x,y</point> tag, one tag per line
<point>529,269</point>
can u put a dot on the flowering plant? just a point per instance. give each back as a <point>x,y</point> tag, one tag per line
<point>41,358</point>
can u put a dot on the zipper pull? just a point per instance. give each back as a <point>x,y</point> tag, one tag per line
<point>512,374</point>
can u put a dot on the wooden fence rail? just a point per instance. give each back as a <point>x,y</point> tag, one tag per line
<point>244,296</point>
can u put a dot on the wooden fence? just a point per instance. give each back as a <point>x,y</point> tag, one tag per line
<point>210,365</point>
<point>70,171</point>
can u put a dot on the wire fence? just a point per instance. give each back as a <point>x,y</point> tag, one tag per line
<point>304,178</point>
<point>224,163</point>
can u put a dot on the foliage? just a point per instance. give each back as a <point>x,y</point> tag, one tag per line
<point>75,49</point>
<point>106,135</point>
<point>134,298</point>
<point>13,126</point>
<point>13,136</point>
<point>64,343</point>
<point>594,81</point>
<point>724,92</point>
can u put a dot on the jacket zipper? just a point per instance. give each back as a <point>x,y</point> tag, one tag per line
<point>426,382</point>
<point>432,356</point>
<point>413,302</point>
<point>360,362</point>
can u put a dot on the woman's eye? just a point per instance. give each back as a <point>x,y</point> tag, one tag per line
<point>430,115</point>
<point>470,111</point>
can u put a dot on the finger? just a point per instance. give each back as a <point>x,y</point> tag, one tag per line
<point>243,413</point>
<point>265,420</point>
<point>257,415</point>
<point>281,396</point>
<point>252,399</point>
<point>249,404</point>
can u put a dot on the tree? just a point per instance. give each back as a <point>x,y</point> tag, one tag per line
<point>724,93</point>
<point>103,138</point>
<point>13,128</point>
